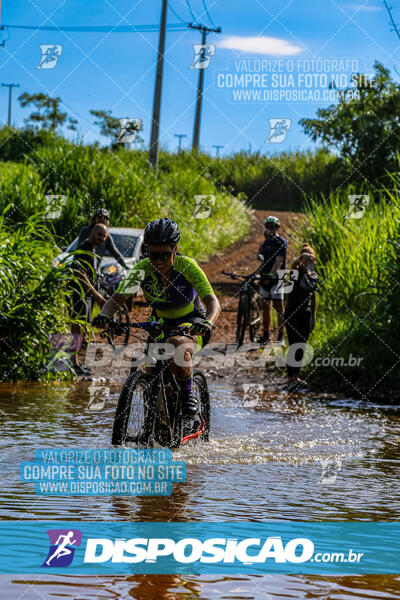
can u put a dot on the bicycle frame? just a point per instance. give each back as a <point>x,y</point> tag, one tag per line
<point>247,299</point>
<point>162,407</point>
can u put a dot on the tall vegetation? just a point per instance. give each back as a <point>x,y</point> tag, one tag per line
<point>33,297</point>
<point>359,264</point>
<point>123,182</point>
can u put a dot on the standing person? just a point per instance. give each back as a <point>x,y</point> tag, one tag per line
<point>273,254</point>
<point>101,215</point>
<point>300,313</point>
<point>85,265</point>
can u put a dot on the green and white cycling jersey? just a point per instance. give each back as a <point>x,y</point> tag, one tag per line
<point>188,284</point>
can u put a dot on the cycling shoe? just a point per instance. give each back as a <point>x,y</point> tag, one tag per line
<point>190,405</point>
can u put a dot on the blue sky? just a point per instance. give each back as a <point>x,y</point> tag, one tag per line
<point>117,70</point>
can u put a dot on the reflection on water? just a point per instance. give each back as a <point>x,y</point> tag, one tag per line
<point>205,587</point>
<point>271,457</point>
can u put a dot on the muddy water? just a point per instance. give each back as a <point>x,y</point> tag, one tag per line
<point>266,461</point>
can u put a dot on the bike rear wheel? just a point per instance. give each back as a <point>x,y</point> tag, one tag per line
<point>120,318</point>
<point>255,316</point>
<point>133,420</point>
<point>242,320</point>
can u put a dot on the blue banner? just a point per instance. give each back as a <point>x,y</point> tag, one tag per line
<point>103,472</point>
<point>199,547</point>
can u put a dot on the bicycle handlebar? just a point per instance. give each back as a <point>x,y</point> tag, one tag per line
<point>243,277</point>
<point>150,327</point>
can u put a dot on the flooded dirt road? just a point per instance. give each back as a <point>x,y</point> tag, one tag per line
<point>272,456</point>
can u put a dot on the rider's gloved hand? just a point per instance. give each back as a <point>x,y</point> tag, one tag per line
<point>100,321</point>
<point>201,328</point>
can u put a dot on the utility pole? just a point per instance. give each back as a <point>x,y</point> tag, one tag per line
<point>196,128</point>
<point>217,147</point>
<point>155,125</point>
<point>180,136</point>
<point>10,87</point>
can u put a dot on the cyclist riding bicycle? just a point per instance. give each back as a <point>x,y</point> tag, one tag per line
<point>179,293</point>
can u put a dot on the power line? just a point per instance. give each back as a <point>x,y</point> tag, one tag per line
<point>101,28</point>
<point>176,14</point>
<point>391,18</point>
<point>190,10</point>
<point>208,14</point>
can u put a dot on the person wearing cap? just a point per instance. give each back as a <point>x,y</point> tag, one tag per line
<point>300,313</point>
<point>101,215</point>
<point>272,253</point>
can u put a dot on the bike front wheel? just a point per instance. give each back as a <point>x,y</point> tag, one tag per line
<point>134,418</point>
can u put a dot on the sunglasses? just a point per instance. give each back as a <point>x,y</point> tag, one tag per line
<point>161,255</point>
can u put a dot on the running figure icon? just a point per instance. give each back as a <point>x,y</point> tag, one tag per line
<point>60,552</point>
<point>62,549</point>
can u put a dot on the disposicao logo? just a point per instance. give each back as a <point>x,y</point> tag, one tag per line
<point>62,547</point>
<point>190,550</point>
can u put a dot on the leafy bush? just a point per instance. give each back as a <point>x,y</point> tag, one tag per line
<point>16,144</point>
<point>122,181</point>
<point>33,298</point>
<point>359,263</point>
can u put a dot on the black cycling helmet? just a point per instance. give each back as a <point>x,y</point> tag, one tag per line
<point>101,212</point>
<point>161,232</point>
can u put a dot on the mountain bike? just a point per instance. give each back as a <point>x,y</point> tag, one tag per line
<point>149,409</point>
<point>107,283</point>
<point>249,308</point>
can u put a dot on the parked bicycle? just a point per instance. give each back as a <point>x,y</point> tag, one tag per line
<point>149,409</point>
<point>107,283</point>
<point>249,308</point>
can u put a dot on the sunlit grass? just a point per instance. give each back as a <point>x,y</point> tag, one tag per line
<point>359,265</point>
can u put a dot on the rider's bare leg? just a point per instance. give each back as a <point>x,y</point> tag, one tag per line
<point>266,308</point>
<point>278,306</point>
<point>182,367</point>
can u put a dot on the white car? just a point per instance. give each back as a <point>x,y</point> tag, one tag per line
<point>128,241</point>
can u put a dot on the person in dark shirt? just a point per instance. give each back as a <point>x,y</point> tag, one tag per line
<point>300,313</point>
<point>272,252</point>
<point>101,215</point>
<point>85,266</point>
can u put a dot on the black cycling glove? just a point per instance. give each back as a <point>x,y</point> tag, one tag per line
<point>100,320</point>
<point>202,327</point>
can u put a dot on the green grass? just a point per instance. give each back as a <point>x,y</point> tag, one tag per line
<point>359,264</point>
<point>33,301</point>
<point>33,298</point>
<point>123,182</point>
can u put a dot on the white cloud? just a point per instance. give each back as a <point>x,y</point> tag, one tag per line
<point>259,45</point>
<point>364,7</point>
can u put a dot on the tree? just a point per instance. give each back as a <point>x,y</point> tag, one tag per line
<point>72,124</point>
<point>364,126</point>
<point>47,115</point>
<point>109,126</point>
